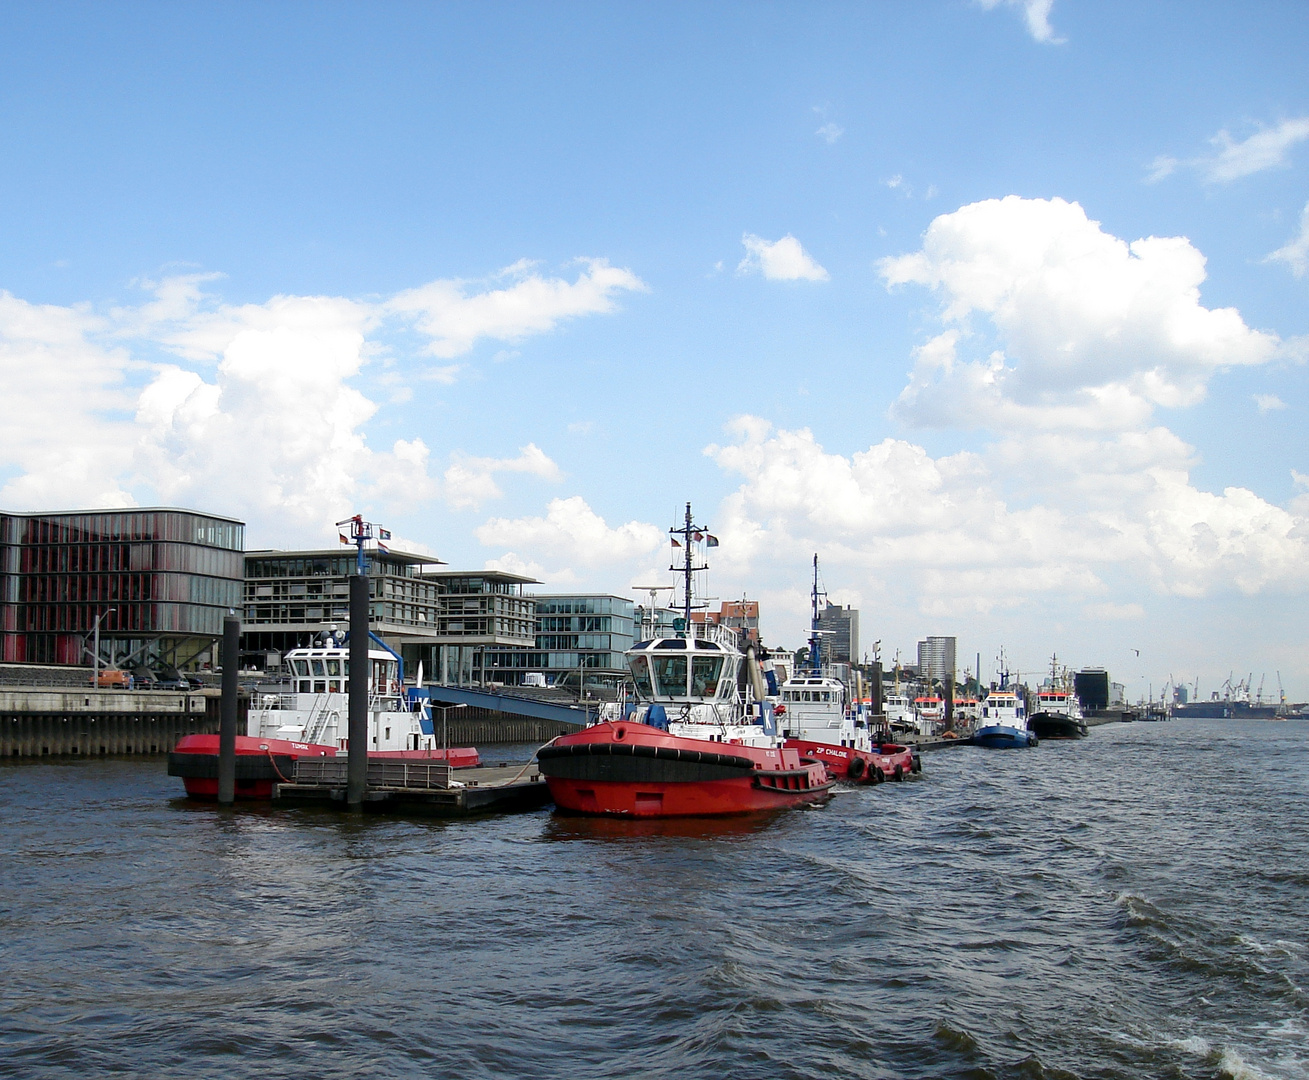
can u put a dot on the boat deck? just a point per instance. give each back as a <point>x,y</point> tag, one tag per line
<point>422,790</point>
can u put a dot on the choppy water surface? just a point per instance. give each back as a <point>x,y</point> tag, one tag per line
<point>1133,905</point>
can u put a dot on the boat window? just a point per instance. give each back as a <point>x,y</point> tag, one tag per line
<point>318,666</point>
<point>304,686</point>
<point>672,643</point>
<point>641,673</point>
<point>320,687</point>
<point>827,695</point>
<point>670,675</point>
<point>805,695</point>
<point>334,667</point>
<point>301,667</point>
<point>334,686</point>
<point>704,675</point>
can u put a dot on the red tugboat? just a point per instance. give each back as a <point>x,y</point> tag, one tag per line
<point>692,745</point>
<point>311,721</point>
<point>819,723</point>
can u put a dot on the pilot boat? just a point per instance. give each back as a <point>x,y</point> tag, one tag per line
<point>692,744</point>
<point>312,720</point>
<point>1004,722</point>
<point>816,719</point>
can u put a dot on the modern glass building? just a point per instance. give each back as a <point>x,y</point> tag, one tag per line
<point>481,613</point>
<point>158,579</point>
<point>291,597</point>
<point>445,620</point>
<point>578,637</point>
<point>840,634</point>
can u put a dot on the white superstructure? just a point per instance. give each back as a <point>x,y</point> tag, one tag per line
<point>688,687</point>
<point>316,709</point>
<point>1004,709</point>
<point>813,707</point>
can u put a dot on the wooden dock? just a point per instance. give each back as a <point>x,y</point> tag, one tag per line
<point>408,787</point>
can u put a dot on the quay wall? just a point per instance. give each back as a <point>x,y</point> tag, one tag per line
<point>58,722</point>
<point>54,723</point>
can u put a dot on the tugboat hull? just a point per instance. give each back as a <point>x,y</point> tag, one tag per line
<point>631,770</point>
<point>261,763</point>
<point>1004,738</point>
<point>890,761</point>
<point>1056,726</point>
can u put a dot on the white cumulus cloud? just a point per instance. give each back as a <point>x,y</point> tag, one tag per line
<point>470,481</point>
<point>1080,327</point>
<point>262,411</point>
<point>1269,402</point>
<point>63,440</point>
<point>574,533</point>
<point>779,260</point>
<point>942,532</point>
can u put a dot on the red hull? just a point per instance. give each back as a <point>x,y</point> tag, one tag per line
<point>261,763</point>
<point>631,770</point>
<point>894,762</point>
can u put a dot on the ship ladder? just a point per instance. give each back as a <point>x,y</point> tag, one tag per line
<point>318,717</point>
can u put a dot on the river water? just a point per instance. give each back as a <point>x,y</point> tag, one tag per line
<point>1133,905</point>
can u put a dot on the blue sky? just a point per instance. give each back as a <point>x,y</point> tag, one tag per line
<point>519,280</point>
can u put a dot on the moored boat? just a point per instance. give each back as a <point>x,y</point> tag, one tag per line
<point>311,720</point>
<point>692,744</point>
<point>1057,716</point>
<point>1004,722</point>
<point>817,719</point>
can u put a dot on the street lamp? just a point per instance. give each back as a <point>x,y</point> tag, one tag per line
<point>445,728</point>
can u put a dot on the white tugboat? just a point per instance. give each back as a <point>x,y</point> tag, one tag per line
<point>816,716</point>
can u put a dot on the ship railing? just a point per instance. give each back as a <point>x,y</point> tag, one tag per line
<point>723,636</point>
<point>405,775</point>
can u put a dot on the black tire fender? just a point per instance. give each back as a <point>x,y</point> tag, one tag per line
<point>856,768</point>
<point>899,772</point>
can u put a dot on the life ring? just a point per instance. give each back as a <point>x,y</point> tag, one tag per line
<point>856,768</point>
<point>899,772</point>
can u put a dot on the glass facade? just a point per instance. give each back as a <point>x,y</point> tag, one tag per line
<point>577,637</point>
<point>292,596</point>
<point>160,580</point>
<point>443,620</point>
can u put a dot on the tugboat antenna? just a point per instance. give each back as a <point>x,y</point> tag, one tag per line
<point>815,650</point>
<point>689,532</point>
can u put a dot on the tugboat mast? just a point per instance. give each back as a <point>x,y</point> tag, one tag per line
<point>815,650</point>
<point>689,532</point>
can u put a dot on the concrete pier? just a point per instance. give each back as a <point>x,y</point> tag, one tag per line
<point>41,723</point>
<point>504,789</point>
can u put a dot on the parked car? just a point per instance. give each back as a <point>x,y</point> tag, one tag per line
<point>174,684</point>
<point>112,678</point>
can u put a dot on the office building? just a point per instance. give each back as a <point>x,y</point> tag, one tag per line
<point>838,634</point>
<point>579,637</point>
<point>444,620</point>
<point>157,579</point>
<point>936,658</point>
